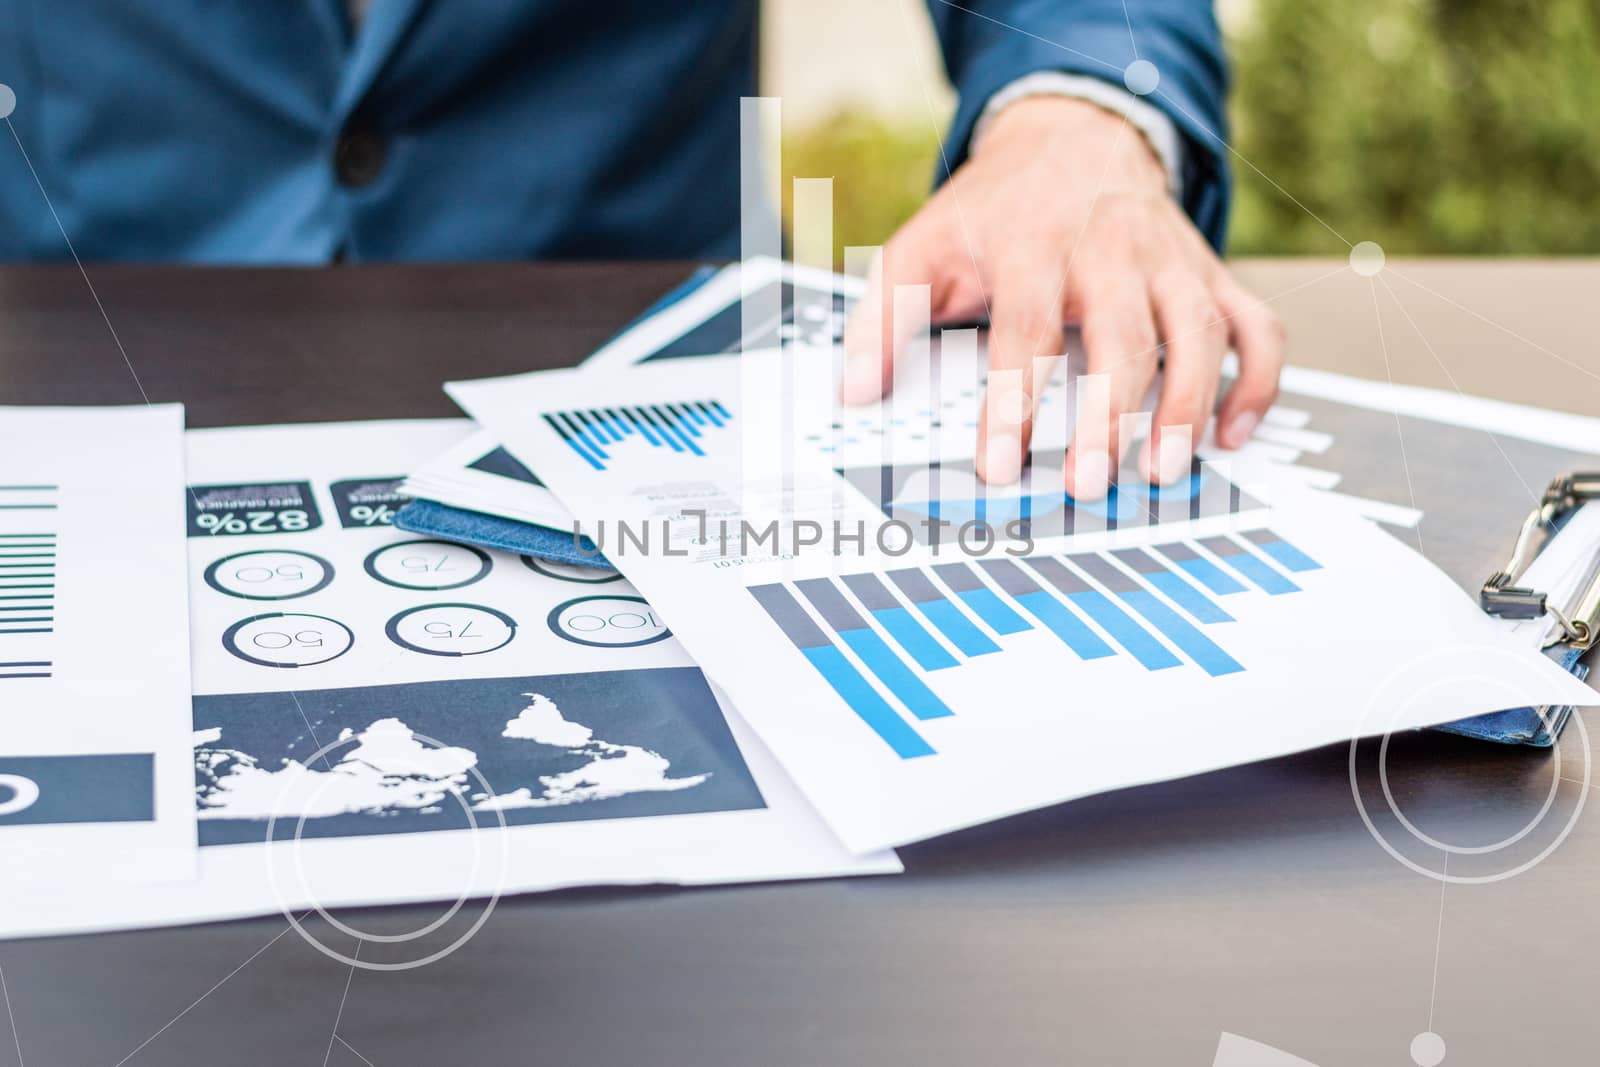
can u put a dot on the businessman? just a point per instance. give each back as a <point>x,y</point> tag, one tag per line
<point>1077,183</point>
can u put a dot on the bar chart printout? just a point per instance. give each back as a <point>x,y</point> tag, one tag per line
<point>594,433</point>
<point>881,640</point>
<point>915,694</point>
<point>96,769</point>
<point>27,580</point>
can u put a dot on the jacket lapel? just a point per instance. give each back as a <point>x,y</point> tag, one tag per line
<point>385,24</point>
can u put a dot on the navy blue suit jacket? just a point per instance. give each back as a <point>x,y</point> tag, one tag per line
<point>266,131</point>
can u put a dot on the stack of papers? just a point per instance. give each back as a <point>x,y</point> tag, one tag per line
<point>376,718</point>
<point>913,681</point>
<point>804,657</point>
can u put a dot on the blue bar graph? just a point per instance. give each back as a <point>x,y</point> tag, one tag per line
<point>1056,616</point>
<point>880,638</point>
<point>873,651</point>
<point>1290,557</point>
<point>945,616</point>
<point>582,433</point>
<point>669,430</point>
<point>838,672</point>
<point>1190,641</point>
<point>1257,570</point>
<point>595,426</point>
<point>901,625</point>
<point>678,427</point>
<point>1201,569</point>
<point>1135,640</point>
<point>983,601</point>
<point>685,423</point>
<point>911,493</point>
<point>1173,585</point>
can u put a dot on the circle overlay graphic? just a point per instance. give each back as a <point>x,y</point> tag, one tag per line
<point>295,843</point>
<point>1480,679</point>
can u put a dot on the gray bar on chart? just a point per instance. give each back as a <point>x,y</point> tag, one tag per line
<point>1009,577</point>
<point>1222,546</point>
<point>1178,552</point>
<point>1105,572</point>
<point>1139,560</point>
<point>791,618</point>
<point>872,593</point>
<point>1058,574</point>
<point>959,577</point>
<point>831,604</point>
<point>1260,537</point>
<point>914,584</point>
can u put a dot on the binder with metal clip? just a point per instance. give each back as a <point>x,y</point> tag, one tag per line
<point>1575,623</point>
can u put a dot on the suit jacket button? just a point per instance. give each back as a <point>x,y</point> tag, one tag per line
<point>359,155</point>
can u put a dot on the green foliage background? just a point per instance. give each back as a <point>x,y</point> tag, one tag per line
<point>1429,126</point>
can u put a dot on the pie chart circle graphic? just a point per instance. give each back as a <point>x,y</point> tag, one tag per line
<point>288,639</point>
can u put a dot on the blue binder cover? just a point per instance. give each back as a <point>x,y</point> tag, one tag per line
<point>1524,726</point>
<point>491,531</point>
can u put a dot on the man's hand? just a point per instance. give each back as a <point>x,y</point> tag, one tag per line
<point>1062,214</point>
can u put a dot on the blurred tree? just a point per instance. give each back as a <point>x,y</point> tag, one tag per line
<point>882,172</point>
<point>1429,126</point>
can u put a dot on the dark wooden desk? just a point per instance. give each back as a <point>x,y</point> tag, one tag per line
<point>1126,929</point>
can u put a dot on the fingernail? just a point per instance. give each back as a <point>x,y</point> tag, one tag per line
<point>1089,475</point>
<point>1239,429</point>
<point>863,382</point>
<point>1175,458</point>
<point>1002,459</point>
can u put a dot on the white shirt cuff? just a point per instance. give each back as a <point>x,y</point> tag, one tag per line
<point>1156,128</point>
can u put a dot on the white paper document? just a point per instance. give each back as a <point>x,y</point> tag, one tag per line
<point>796,302</point>
<point>94,665</point>
<point>478,475</point>
<point>820,564</point>
<point>757,303</point>
<point>381,718</point>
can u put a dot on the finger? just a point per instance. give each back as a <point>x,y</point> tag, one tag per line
<point>874,336</point>
<point>1259,339</point>
<point>1196,339</point>
<point>1119,338</point>
<point>1025,340</point>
